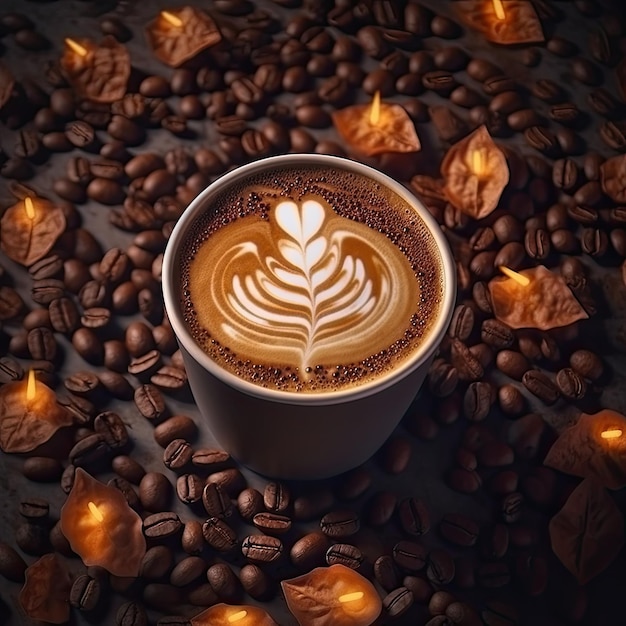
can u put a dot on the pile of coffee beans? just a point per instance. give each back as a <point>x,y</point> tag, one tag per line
<point>461,541</point>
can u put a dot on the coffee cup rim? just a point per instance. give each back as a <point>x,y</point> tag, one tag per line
<point>171,281</point>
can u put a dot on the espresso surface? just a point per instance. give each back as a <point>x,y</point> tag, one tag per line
<point>313,280</point>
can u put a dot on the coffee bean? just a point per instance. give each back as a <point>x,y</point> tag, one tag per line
<point>276,497</point>
<point>409,555</point>
<point>42,469</point>
<point>414,516</point>
<point>571,384</point>
<point>462,322</point>
<point>12,565</point>
<point>249,503</point>
<point>564,241</point>
<point>587,364</point>
<point>464,481</point>
<point>547,90</point>
<point>477,400</point>
<point>155,492</point>
<point>540,385</point>
<point>442,378</point>
<point>189,488</point>
<point>128,468</point>
<point>256,582</point>
<point>440,570</point>
<point>161,525</point>
<point>459,529</point>
<point>339,524</point>
<point>261,548</point>
<point>231,480</point>
<point>440,81</point>
<point>187,571</point>
<point>34,509</point>
<point>90,451</point>
<point>614,135</point>
<point>177,454</point>
<point>386,572</point>
<point>309,551</point>
<point>85,593</point>
<point>345,554</point>
<point>542,139</point>
<point>398,601</point>
<point>521,119</point>
<point>512,363</point>
<point>192,540</point>
<point>511,400</point>
<point>272,523</point>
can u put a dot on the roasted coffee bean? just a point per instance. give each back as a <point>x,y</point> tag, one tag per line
<point>175,427</point>
<point>34,508</point>
<point>587,364</point>
<point>256,582</point>
<point>464,481</point>
<point>155,492</point>
<point>223,581</point>
<point>414,516</point>
<point>309,551</point>
<point>187,571</point>
<point>594,242</point>
<point>189,488</point>
<point>477,400</point>
<point>439,81</point>
<point>112,429</point>
<point>313,504</point>
<point>80,133</point>
<point>192,540</point>
<point>145,364</point>
<point>386,572</point>
<point>543,140</point>
<point>161,525</point>
<point>231,480</point>
<point>564,241</point>
<point>565,174</point>
<point>85,593</point>
<point>547,90</point>
<point>210,458</point>
<point>537,243</point>
<point>522,119</point>
<point>128,468</point>
<point>42,344</point>
<point>440,569</point>
<point>380,508</point>
<point>338,524</point>
<point>276,497</point>
<point>218,534</point>
<point>261,548</point>
<point>466,364</point>
<point>459,529</point>
<point>512,363</point>
<point>272,523</point>
<point>614,135</point>
<point>462,322</point>
<point>89,451</point>
<point>540,385</point>
<point>442,378</point>
<point>511,507</point>
<point>177,454</point>
<point>46,290</point>
<point>482,297</point>
<point>216,501</point>
<point>12,565</point>
<point>571,384</point>
<point>409,555</point>
<point>345,554</point>
<point>32,538</point>
<point>398,601</point>
<point>64,315</point>
<point>156,562</point>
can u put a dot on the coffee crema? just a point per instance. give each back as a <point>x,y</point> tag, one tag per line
<point>309,279</point>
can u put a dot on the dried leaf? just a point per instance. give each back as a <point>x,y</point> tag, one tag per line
<point>588,532</point>
<point>314,598</point>
<point>581,450</point>
<point>520,24</point>
<point>26,424</point>
<point>475,172</point>
<point>547,302</point>
<point>26,240</point>
<point>394,132</point>
<point>102,74</point>
<point>219,614</point>
<point>613,177</point>
<point>7,82</point>
<point>173,45</point>
<point>46,593</point>
<point>113,538</point>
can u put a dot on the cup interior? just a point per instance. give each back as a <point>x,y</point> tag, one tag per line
<point>171,280</point>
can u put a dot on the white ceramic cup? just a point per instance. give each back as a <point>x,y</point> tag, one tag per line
<point>286,434</point>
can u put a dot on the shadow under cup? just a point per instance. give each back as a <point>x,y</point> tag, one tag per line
<point>291,434</point>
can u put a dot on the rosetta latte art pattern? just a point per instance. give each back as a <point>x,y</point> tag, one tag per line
<point>307,287</point>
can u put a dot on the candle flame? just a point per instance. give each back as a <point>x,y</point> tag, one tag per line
<point>612,433</point>
<point>29,207</point>
<point>30,386</point>
<point>76,47</point>
<point>95,511</point>
<point>499,9</point>
<point>375,109</point>
<point>235,617</point>
<point>524,281</point>
<point>478,162</point>
<point>351,597</point>
<point>174,20</point>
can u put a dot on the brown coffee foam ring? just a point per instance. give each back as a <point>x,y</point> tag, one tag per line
<point>588,532</point>
<point>395,132</point>
<point>547,302</point>
<point>476,196</point>
<point>521,23</point>
<point>613,178</point>
<point>174,45</point>
<point>7,82</point>
<point>102,74</point>
<point>580,450</point>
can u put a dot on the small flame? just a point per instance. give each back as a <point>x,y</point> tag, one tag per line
<point>29,207</point>
<point>174,20</point>
<point>235,617</point>
<point>30,386</point>
<point>516,276</point>
<point>95,511</point>
<point>478,162</point>
<point>351,597</point>
<point>612,433</point>
<point>499,9</point>
<point>375,109</point>
<point>76,47</point>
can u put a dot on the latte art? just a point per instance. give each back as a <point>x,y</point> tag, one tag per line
<point>308,286</point>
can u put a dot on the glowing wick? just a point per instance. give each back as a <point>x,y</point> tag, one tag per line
<point>235,617</point>
<point>375,109</point>
<point>174,20</point>
<point>351,597</point>
<point>30,386</point>
<point>95,511</point>
<point>516,276</point>
<point>76,47</point>
<point>499,9</point>
<point>613,433</point>
<point>30,207</point>
<point>478,162</point>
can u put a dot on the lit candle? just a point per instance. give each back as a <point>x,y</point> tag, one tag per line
<point>332,596</point>
<point>98,72</point>
<point>611,433</point>
<point>175,36</point>
<point>29,414</point>
<point>238,615</point>
<point>498,9</point>
<point>475,174</point>
<point>534,298</point>
<point>377,127</point>
<point>30,228</point>
<point>101,528</point>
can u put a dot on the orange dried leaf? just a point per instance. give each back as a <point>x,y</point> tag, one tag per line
<point>46,593</point>
<point>521,23</point>
<point>219,614</point>
<point>173,45</point>
<point>394,132</point>
<point>547,302</point>
<point>26,424</point>
<point>588,532</point>
<point>613,177</point>
<point>314,598</point>
<point>26,240</point>
<point>102,74</point>
<point>582,450</point>
<point>475,172</point>
<point>113,540</point>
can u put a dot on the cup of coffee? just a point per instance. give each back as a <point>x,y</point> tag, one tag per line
<point>309,294</point>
